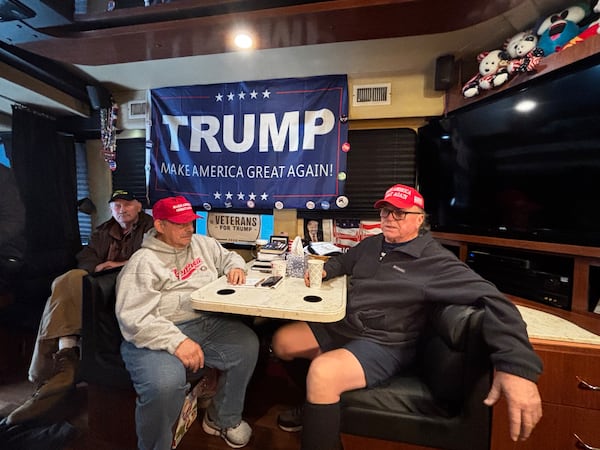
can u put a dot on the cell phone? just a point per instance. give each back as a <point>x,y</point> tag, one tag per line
<point>271,281</point>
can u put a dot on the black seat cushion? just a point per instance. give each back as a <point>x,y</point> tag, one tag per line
<point>439,403</point>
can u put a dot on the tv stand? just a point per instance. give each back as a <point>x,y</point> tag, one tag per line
<point>570,360</point>
<point>585,263</point>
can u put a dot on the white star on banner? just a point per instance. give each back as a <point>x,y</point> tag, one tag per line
<point>241,196</point>
<point>217,195</point>
<point>252,196</point>
<point>242,95</point>
<point>230,96</point>
<point>253,94</point>
<point>266,93</point>
<point>264,196</point>
<point>219,97</point>
<point>229,195</point>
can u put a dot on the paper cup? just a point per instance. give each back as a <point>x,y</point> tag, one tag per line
<point>315,272</point>
<point>279,267</point>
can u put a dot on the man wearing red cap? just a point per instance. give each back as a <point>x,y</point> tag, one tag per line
<point>55,358</point>
<point>396,277</point>
<point>165,337</point>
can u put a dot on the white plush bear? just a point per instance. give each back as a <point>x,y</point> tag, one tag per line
<point>492,73</point>
<point>521,44</point>
<point>524,53</point>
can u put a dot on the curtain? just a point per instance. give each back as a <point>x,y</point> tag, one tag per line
<point>45,168</point>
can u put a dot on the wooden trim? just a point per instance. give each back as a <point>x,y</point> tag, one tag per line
<point>546,247</point>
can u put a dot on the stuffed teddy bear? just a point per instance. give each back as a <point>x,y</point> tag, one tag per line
<point>524,53</point>
<point>559,28</point>
<point>493,72</point>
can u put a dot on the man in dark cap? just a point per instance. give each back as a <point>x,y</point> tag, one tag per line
<point>56,354</point>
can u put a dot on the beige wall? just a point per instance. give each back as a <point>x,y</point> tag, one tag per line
<point>412,99</point>
<point>411,96</point>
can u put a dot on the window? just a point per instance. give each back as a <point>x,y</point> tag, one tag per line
<point>83,191</point>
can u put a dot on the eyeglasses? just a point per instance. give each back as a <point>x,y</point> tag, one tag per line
<point>397,214</point>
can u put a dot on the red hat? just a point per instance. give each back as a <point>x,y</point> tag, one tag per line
<point>174,209</point>
<point>401,197</point>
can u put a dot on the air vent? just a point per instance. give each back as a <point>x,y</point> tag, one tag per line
<point>136,109</point>
<point>372,94</point>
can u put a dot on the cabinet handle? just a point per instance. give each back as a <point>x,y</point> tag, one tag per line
<point>585,385</point>
<point>583,445</point>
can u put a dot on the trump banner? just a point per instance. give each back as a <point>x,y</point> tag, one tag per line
<point>256,144</point>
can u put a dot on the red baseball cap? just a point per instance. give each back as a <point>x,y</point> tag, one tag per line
<point>401,197</point>
<point>174,209</point>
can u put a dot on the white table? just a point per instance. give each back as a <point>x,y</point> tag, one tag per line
<point>290,300</point>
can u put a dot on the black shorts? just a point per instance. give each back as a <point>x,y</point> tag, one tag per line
<point>379,362</point>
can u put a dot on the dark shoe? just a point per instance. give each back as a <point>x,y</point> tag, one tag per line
<point>42,408</point>
<point>66,363</point>
<point>291,419</point>
<point>51,393</point>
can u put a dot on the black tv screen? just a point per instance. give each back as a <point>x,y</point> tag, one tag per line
<point>520,164</point>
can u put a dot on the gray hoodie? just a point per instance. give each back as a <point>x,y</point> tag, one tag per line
<point>154,288</point>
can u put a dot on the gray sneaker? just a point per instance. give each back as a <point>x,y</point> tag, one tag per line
<point>235,437</point>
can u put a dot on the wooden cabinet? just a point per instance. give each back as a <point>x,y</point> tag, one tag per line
<point>583,257</point>
<point>569,408</point>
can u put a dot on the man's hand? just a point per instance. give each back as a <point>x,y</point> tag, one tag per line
<point>307,278</point>
<point>524,403</point>
<point>236,276</point>
<point>190,354</point>
<point>108,265</point>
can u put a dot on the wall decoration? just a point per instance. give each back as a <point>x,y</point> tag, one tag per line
<point>255,144</point>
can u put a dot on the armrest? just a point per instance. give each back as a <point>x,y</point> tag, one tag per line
<point>453,355</point>
<point>101,360</point>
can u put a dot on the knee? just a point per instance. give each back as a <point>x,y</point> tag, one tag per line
<point>162,390</point>
<point>280,345</point>
<point>250,345</point>
<point>322,376</point>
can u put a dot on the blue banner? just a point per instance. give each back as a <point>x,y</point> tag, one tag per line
<point>257,144</point>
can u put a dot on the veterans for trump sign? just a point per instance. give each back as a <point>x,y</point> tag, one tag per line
<point>256,144</point>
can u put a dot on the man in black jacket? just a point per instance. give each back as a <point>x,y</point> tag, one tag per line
<point>395,279</point>
<point>56,354</point>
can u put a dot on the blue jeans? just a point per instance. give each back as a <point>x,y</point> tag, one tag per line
<point>160,379</point>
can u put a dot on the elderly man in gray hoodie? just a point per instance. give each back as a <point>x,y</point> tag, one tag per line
<point>165,338</point>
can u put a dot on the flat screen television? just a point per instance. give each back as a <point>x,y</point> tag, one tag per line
<point>522,164</point>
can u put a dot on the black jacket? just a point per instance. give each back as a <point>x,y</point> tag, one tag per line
<point>107,243</point>
<point>389,299</point>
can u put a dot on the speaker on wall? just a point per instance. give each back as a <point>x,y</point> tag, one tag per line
<point>444,72</point>
<point>99,97</point>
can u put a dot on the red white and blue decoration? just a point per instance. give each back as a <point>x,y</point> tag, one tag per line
<point>254,144</point>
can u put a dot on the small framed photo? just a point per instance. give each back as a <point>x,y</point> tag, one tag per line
<point>283,239</point>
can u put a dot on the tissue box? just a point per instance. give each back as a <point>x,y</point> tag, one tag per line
<point>296,265</point>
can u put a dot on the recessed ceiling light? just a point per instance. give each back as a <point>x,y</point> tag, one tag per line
<point>243,40</point>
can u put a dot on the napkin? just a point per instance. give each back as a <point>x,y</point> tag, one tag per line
<point>296,259</point>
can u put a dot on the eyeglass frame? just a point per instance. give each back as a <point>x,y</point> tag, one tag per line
<point>395,213</point>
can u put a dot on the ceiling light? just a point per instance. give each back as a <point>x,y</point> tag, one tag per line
<point>243,40</point>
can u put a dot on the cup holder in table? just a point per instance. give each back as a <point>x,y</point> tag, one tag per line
<point>226,291</point>
<point>312,298</point>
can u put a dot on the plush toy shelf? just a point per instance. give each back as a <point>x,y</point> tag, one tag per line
<point>555,61</point>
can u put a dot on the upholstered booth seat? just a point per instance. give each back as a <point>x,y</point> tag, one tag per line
<point>111,397</point>
<point>439,404</point>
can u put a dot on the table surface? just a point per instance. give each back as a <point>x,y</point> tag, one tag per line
<point>286,301</point>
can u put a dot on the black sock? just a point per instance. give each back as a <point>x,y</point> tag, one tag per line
<point>321,427</point>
